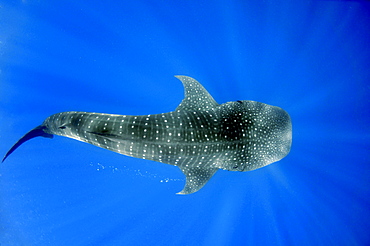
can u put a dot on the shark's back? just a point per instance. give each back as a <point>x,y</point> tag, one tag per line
<point>199,137</point>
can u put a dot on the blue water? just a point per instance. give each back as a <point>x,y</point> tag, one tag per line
<point>310,58</point>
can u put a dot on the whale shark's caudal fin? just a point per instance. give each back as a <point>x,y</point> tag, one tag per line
<point>36,132</point>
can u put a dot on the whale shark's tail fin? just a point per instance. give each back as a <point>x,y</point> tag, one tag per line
<point>36,132</point>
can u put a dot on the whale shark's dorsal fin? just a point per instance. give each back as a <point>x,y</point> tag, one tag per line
<point>196,98</point>
<point>196,178</point>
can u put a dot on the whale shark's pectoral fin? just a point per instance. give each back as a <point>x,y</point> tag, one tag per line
<point>196,96</point>
<point>196,178</point>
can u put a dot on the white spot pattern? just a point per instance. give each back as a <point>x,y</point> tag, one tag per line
<point>200,136</point>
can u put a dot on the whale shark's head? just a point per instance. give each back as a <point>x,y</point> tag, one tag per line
<point>264,130</point>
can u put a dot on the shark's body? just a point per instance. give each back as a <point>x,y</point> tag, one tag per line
<point>199,137</point>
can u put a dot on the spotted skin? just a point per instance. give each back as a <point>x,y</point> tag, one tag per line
<point>199,137</point>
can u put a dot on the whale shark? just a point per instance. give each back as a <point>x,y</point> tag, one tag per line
<point>200,136</point>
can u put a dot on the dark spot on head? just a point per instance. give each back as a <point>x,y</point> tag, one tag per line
<point>62,127</point>
<point>239,101</point>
